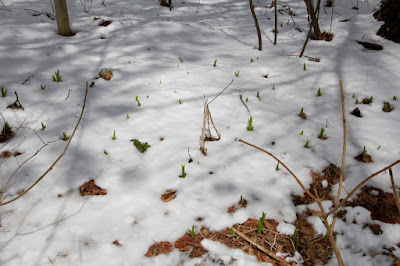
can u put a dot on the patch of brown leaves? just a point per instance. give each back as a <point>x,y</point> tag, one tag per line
<point>91,189</point>
<point>382,206</point>
<point>187,243</point>
<point>159,248</point>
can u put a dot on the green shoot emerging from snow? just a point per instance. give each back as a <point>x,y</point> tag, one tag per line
<point>114,137</point>
<point>261,223</point>
<point>321,133</point>
<point>192,233</point>
<point>250,127</point>
<point>64,137</point>
<point>138,103</point>
<point>307,144</point>
<point>57,77</point>
<point>394,98</point>
<point>241,201</point>
<point>231,231</point>
<point>3,92</point>
<point>180,102</point>
<point>258,95</point>
<point>273,87</point>
<point>379,148</point>
<point>215,63</point>
<point>354,96</point>
<point>251,60</point>
<point>301,133</point>
<point>247,99</point>
<point>127,116</point>
<point>181,59</point>
<point>42,87</point>
<point>43,126</point>
<point>364,153</point>
<point>137,98</point>
<point>277,167</point>
<point>183,171</point>
<point>357,101</point>
<point>105,152</point>
<point>304,67</point>
<point>319,92</point>
<point>237,74</point>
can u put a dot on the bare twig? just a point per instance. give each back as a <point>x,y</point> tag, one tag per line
<point>53,164</point>
<point>28,78</point>
<point>257,26</point>
<point>241,98</point>
<point>276,23</point>
<point>306,41</point>
<point>69,91</point>
<point>269,253</point>
<point>395,194</point>
<point>221,92</point>
<point>284,165</point>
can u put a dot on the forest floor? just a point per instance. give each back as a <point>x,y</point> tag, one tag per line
<point>134,188</point>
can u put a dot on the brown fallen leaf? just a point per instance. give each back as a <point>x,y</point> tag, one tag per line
<point>91,189</point>
<point>168,196</point>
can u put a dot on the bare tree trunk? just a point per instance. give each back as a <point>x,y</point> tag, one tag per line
<point>62,18</point>
<point>257,26</point>
<point>276,22</point>
<point>170,5</point>
<point>313,17</point>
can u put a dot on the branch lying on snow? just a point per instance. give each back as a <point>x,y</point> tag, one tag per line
<point>3,196</point>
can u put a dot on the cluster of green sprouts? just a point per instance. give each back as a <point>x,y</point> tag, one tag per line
<point>395,98</point>
<point>237,74</point>
<point>3,92</point>
<point>181,59</point>
<point>191,232</point>
<point>319,92</point>
<point>102,72</point>
<point>57,77</point>
<point>321,133</point>
<point>42,87</point>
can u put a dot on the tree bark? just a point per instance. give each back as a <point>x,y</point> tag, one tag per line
<point>62,18</point>
<point>313,17</point>
<point>257,26</point>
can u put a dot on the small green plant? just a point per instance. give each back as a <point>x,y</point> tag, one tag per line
<point>192,233</point>
<point>43,126</point>
<point>64,137</point>
<point>105,152</point>
<point>181,59</point>
<point>42,87</point>
<point>258,95</point>
<point>127,116</point>
<point>237,74</point>
<point>180,102</point>
<point>231,231</point>
<point>247,99</point>
<point>141,146</point>
<point>301,133</point>
<point>183,171</point>
<point>295,235</point>
<point>235,139</point>
<point>357,101</point>
<point>137,98</point>
<point>261,223</point>
<point>129,62</point>
<point>160,81</point>
<point>242,200</point>
<point>307,144</point>
<point>215,63</point>
<point>386,108</point>
<point>273,87</point>
<point>114,137</point>
<point>250,127</point>
<point>364,153</point>
<point>379,147</point>
<point>138,103</point>
<point>395,98</point>
<point>319,92</point>
<point>304,67</point>
<point>354,96</point>
<point>148,96</point>
<point>3,92</point>
<point>257,57</point>
<point>277,167</point>
<point>57,77</point>
<point>251,60</point>
<point>321,133</point>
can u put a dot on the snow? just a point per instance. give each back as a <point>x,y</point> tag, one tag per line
<point>142,47</point>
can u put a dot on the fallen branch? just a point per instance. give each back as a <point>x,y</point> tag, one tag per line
<point>28,79</point>
<point>2,203</point>
<point>241,98</point>
<point>269,253</point>
<point>396,196</point>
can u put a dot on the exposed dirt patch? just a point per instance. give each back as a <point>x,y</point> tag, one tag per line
<point>116,242</point>
<point>105,23</point>
<point>375,228</point>
<point>6,133</point>
<point>389,13</point>
<point>382,205</point>
<point>159,248</point>
<point>187,243</point>
<point>8,154</point>
<point>91,189</point>
<point>331,174</point>
<point>356,112</point>
<point>241,204</point>
<point>367,100</point>
<point>364,157</point>
<point>315,250</point>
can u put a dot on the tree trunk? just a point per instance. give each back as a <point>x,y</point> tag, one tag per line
<point>276,22</point>
<point>257,26</point>
<point>313,17</point>
<point>62,18</point>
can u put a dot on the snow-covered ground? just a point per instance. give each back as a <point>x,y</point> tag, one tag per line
<point>143,46</point>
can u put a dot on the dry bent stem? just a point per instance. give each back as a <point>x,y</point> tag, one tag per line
<point>396,196</point>
<point>54,163</point>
